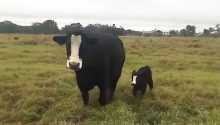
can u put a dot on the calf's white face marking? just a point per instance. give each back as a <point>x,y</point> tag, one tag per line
<point>134,80</point>
<point>74,57</point>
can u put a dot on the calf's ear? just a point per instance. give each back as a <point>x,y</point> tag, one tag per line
<point>133,72</point>
<point>60,39</point>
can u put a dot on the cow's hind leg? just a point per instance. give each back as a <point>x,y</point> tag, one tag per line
<point>150,82</point>
<point>113,87</point>
<point>115,75</point>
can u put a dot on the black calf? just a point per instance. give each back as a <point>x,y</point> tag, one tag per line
<point>141,79</point>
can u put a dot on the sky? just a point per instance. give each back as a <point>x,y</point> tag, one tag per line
<point>142,15</point>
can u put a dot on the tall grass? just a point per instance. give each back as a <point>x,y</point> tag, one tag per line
<point>36,87</point>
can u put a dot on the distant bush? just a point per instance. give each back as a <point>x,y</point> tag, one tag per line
<point>194,45</point>
<point>27,43</point>
<point>16,38</point>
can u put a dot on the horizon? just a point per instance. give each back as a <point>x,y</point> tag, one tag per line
<point>144,15</point>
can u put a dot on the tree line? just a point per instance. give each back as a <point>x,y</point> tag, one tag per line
<point>190,31</point>
<point>51,27</point>
<point>47,27</point>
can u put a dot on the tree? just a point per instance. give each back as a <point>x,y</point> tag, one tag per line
<point>132,32</point>
<point>92,27</point>
<point>8,27</point>
<point>49,27</point>
<point>157,33</point>
<point>72,27</point>
<point>174,32</point>
<point>183,32</point>
<point>206,32</point>
<point>36,27</point>
<point>218,27</point>
<point>211,29</point>
<point>105,29</point>
<point>177,32</point>
<point>190,30</point>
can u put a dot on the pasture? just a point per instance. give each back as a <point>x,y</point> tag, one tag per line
<point>37,88</point>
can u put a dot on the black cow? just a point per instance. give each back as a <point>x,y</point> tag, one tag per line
<point>141,79</point>
<point>97,59</point>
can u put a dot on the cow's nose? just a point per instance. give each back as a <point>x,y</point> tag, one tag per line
<point>132,84</point>
<point>74,65</point>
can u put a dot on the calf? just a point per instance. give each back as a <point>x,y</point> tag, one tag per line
<point>141,79</point>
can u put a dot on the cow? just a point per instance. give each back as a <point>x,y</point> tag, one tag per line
<point>141,79</point>
<point>97,60</point>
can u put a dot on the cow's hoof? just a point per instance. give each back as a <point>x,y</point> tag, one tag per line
<point>102,102</point>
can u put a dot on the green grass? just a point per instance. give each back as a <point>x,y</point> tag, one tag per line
<point>37,88</point>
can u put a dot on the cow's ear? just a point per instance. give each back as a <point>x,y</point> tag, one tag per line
<point>60,39</point>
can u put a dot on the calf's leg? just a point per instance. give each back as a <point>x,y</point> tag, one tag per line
<point>134,92</point>
<point>143,90</point>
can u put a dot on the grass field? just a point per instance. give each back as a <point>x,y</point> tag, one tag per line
<point>37,88</point>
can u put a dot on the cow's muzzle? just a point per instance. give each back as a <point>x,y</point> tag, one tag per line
<point>74,65</point>
<point>132,84</point>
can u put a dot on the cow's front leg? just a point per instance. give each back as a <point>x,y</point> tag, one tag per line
<point>105,91</point>
<point>85,96</point>
<point>105,87</point>
<point>105,94</point>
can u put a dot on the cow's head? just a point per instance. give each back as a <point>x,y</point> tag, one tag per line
<point>73,43</point>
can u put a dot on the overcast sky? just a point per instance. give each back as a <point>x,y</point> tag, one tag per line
<point>134,14</point>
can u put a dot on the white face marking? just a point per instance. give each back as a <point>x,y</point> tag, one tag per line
<point>74,57</point>
<point>134,80</point>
